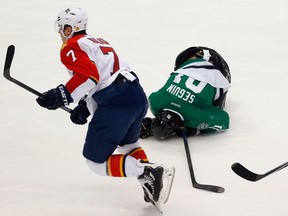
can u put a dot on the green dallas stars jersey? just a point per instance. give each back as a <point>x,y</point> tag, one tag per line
<point>192,100</point>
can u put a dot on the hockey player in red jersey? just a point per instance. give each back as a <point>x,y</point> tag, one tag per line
<point>105,87</point>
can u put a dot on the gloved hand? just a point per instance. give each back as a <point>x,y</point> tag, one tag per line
<point>80,113</point>
<point>146,128</point>
<point>189,131</point>
<point>55,98</point>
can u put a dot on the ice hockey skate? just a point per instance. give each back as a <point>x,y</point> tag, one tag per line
<point>156,182</point>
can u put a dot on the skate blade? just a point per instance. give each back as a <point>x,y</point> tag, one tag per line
<point>158,206</point>
<point>168,178</point>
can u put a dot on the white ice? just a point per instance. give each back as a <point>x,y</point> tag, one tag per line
<point>42,171</point>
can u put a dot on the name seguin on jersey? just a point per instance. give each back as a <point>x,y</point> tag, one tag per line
<point>181,93</point>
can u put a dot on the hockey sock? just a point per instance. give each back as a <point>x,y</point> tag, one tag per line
<point>123,166</point>
<point>139,153</point>
<point>134,150</point>
<point>116,166</point>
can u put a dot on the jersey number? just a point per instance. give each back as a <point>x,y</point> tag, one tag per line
<point>190,83</point>
<point>71,52</point>
<point>106,51</point>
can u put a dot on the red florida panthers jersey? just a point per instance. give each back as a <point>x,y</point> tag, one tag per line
<point>91,61</point>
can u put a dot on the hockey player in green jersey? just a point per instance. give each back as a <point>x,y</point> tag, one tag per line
<point>193,97</point>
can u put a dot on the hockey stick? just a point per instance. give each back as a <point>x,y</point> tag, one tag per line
<point>7,66</point>
<point>212,188</point>
<point>251,176</point>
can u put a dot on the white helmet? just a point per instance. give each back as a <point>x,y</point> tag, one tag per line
<point>74,17</point>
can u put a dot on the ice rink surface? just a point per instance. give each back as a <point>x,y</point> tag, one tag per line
<point>42,171</point>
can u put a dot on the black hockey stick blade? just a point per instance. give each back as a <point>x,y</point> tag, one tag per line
<point>9,58</point>
<point>212,188</point>
<point>7,66</point>
<point>195,184</point>
<point>243,172</point>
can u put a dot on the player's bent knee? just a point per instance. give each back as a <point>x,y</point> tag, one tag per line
<point>98,168</point>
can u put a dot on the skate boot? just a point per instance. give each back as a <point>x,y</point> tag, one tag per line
<point>146,196</point>
<point>156,182</point>
<point>152,183</point>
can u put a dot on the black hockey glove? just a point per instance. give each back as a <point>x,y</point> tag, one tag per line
<point>55,98</point>
<point>189,131</point>
<point>80,113</point>
<point>146,128</point>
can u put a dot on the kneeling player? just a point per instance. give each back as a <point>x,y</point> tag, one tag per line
<point>193,98</point>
